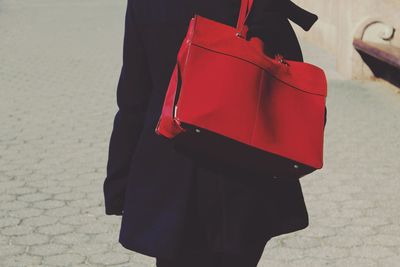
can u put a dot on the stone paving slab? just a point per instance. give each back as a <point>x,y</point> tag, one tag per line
<point>60,62</point>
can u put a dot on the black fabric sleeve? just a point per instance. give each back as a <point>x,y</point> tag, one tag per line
<point>133,94</point>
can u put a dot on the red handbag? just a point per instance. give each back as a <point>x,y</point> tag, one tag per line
<point>229,102</point>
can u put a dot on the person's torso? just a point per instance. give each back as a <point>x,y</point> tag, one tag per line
<point>158,11</point>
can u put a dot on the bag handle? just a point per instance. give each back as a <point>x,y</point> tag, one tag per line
<point>245,8</point>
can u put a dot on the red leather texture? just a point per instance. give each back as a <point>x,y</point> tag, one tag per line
<point>224,83</point>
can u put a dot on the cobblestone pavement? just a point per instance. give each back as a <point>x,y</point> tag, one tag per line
<point>60,62</point>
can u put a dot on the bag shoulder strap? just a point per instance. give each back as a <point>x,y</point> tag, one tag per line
<point>245,8</point>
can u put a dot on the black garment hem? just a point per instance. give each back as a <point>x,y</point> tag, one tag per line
<point>148,252</point>
<point>137,249</point>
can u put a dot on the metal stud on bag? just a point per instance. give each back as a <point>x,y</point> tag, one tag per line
<point>281,59</point>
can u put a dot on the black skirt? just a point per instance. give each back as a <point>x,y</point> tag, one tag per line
<point>230,210</point>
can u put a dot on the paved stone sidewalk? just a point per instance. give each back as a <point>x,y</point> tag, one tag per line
<point>59,66</point>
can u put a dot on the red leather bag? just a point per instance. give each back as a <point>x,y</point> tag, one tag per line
<point>229,102</point>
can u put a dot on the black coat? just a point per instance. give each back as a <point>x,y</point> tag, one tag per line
<point>162,195</point>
